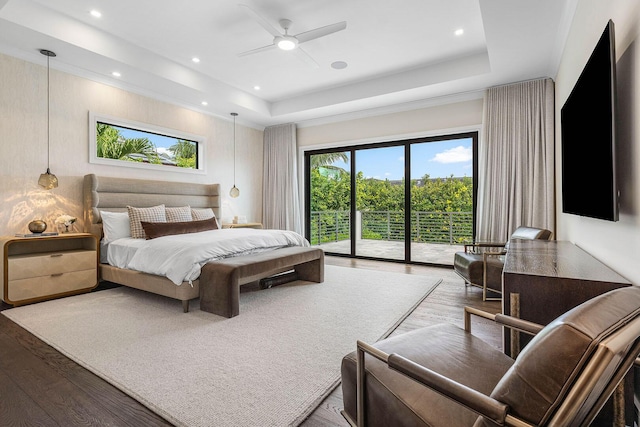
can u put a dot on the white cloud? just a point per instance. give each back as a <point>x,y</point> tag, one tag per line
<point>387,174</point>
<point>458,154</point>
<point>401,159</point>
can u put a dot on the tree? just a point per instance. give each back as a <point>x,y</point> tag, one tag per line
<point>184,153</point>
<point>434,198</point>
<point>106,137</point>
<point>112,145</point>
<point>327,159</point>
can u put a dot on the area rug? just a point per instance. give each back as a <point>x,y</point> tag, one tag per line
<point>270,366</point>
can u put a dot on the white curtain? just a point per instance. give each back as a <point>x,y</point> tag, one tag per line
<point>516,160</point>
<point>281,201</point>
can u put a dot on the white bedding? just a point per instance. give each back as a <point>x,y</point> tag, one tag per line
<point>180,257</point>
<point>120,251</point>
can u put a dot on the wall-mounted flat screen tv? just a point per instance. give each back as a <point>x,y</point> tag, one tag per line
<point>588,133</point>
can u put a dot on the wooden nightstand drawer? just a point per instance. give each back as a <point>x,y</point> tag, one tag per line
<point>39,268</point>
<point>46,264</point>
<point>37,287</point>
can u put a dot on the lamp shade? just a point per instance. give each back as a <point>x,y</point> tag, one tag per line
<point>48,180</point>
<point>234,192</point>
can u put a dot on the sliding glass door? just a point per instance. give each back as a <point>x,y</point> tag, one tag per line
<point>379,213</point>
<point>441,202</point>
<point>329,201</point>
<point>411,201</point>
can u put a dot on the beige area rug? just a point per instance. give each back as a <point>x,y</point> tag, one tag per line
<point>270,366</point>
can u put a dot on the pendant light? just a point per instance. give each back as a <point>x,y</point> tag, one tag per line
<point>47,179</point>
<point>234,192</point>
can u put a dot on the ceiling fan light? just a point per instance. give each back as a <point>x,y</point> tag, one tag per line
<point>286,42</point>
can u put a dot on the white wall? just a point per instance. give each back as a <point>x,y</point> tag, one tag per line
<point>23,145</point>
<point>441,119</point>
<point>617,244</point>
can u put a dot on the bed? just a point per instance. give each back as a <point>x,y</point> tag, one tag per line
<point>217,283</point>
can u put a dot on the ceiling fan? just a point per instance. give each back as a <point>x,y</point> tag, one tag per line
<point>288,42</point>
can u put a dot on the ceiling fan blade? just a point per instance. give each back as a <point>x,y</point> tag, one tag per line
<point>258,50</point>
<point>302,54</point>
<point>321,32</point>
<point>263,22</point>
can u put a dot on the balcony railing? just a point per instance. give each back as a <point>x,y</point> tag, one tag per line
<point>426,227</point>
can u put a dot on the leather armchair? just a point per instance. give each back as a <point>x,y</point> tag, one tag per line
<point>444,376</point>
<point>481,264</point>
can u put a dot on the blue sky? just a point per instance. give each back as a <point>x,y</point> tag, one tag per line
<point>439,159</point>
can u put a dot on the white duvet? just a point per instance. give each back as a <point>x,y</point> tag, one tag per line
<point>180,257</point>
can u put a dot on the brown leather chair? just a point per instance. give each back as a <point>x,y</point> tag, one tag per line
<point>481,264</point>
<point>444,376</point>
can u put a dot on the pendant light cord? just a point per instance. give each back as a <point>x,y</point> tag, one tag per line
<point>48,114</point>
<point>234,150</point>
<point>234,147</point>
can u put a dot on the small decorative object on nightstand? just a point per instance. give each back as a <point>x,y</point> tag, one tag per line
<point>37,226</point>
<point>40,268</point>
<point>66,222</point>
<point>239,219</point>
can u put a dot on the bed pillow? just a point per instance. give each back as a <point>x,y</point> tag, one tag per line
<point>159,229</point>
<point>181,214</point>
<point>115,225</point>
<point>136,215</point>
<point>198,214</point>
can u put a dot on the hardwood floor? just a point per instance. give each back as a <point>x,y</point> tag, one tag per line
<point>445,304</point>
<point>41,387</point>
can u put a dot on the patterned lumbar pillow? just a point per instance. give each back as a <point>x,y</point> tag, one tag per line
<point>152,214</point>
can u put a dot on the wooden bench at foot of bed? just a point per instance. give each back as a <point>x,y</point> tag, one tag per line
<point>220,281</point>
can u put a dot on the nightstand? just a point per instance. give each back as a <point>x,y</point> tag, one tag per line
<point>245,225</point>
<point>39,268</point>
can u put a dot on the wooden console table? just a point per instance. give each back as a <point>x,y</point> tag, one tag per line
<point>543,279</point>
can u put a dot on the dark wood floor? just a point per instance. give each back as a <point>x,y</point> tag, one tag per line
<point>41,387</point>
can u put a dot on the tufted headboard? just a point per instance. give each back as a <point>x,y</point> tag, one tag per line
<point>115,194</point>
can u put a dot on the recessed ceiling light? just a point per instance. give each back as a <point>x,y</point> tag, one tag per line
<point>195,59</point>
<point>205,103</point>
<point>116,74</point>
<point>459,32</point>
<point>256,87</point>
<point>96,13</point>
<point>339,65</point>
